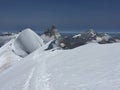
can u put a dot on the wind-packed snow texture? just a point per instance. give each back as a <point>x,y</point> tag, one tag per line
<point>27,42</point>
<point>88,67</point>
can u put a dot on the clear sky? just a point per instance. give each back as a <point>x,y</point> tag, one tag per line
<point>67,15</point>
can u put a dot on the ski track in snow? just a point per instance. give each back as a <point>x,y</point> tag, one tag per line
<point>42,80</point>
<point>27,83</point>
<point>42,77</point>
<point>38,77</point>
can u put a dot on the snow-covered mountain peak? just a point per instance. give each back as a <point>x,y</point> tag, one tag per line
<point>91,32</point>
<point>51,34</point>
<point>91,36</point>
<point>53,31</point>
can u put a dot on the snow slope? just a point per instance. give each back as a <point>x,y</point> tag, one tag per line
<point>88,67</point>
<point>7,56</point>
<point>25,43</point>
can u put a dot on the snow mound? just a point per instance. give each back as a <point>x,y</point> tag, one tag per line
<point>16,49</point>
<point>27,42</point>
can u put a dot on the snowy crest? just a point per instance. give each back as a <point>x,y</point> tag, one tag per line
<point>27,42</point>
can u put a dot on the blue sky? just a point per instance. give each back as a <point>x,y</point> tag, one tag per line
<point>67,15</point>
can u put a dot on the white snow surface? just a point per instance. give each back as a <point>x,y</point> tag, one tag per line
<point>7,56</point>
<point>88,67</point>
<point>27,42</point>
<point>76,36</point>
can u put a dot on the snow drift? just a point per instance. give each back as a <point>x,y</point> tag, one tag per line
<point>27,42</point>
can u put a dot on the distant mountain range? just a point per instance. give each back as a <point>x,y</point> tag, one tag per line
<point>89,36</point>
<point>68,40</point>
